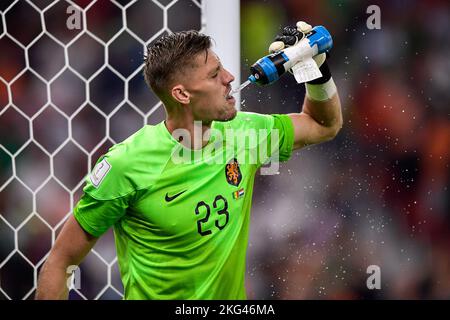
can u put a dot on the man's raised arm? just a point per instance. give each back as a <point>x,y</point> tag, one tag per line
<point>321,117</point>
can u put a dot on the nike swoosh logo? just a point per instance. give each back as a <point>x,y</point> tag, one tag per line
<point>170,198</point>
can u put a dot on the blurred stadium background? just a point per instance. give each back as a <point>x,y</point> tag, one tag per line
<point>376,195</point>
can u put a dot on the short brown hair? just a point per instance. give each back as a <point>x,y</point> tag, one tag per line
<point>172,53</point>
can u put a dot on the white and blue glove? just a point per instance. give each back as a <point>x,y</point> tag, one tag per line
<point>320,89</point>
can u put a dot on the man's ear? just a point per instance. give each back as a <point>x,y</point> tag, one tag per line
<point>180,94</point>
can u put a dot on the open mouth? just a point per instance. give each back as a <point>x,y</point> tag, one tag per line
<point>228,96</point>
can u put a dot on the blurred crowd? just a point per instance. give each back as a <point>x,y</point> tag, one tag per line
<point>376,195</point>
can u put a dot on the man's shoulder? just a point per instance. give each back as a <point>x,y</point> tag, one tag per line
<point>248,120</point>
<point>130,165</point>
<point>134,144</point>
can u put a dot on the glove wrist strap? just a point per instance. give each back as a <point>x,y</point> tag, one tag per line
<point>321,92</point>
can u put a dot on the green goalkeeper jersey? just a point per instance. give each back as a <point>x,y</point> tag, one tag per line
<point>181,216</point>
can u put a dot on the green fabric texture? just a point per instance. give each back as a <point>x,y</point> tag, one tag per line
<point>181,227</point>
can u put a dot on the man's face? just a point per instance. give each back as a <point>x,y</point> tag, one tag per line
<point>209,86</point>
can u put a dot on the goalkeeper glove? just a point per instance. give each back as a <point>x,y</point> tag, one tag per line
<point>319,89</point>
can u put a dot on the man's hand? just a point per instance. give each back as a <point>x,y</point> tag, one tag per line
<point>291,36</point>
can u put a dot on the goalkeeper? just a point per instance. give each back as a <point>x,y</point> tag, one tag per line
<point>181,229</point>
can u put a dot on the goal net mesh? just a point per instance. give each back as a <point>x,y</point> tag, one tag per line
<point>71,86</point>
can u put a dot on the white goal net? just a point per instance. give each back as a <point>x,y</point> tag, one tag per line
<point>71,86</point>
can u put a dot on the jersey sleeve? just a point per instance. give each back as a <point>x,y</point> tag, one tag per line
<point>107,194</point>
<point>282,124</point>
<point>97,216</point>
<point>275,135</point>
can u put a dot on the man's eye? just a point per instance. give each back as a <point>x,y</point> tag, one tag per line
<point>215,76</point>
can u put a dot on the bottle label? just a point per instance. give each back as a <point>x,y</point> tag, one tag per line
<point>306,70</point>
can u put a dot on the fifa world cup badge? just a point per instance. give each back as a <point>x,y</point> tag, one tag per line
<point>99,172</point>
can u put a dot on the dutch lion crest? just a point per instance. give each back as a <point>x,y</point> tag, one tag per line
<point>233,172</point>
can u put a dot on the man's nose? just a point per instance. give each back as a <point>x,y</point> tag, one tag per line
<point>228,77</point>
